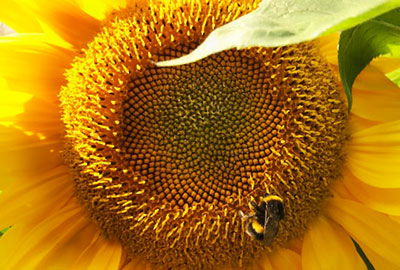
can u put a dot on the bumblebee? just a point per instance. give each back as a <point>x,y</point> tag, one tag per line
<point>263,223</point>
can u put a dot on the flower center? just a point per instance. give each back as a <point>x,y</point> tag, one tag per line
<point>165,159</point>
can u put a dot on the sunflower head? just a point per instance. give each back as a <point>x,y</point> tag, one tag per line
<point>165,158</point>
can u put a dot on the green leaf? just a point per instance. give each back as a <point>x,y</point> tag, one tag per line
<point>3,231</point>
<point>364,257</point>
<point>282,22</point>
<point>360,44</point>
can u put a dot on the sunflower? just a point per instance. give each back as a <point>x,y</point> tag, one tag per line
<point>116,163</point>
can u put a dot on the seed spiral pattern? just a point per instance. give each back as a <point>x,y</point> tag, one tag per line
<point>197,139</point>
<point>165,158</point>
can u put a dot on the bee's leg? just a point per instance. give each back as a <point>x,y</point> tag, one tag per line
<point>249,233</point>
<point>244,216</point>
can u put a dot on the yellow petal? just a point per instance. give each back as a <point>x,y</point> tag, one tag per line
<point>368,228</point>
<point>358,123</point>
<point>18,17</point>
<point>29,246</point>
<point>374,155</point>
<point>33,64</point>
<point>66,19</point>
<point>285,259</point>
<point>373,79</point>
<point>377,261</point>
<point>386,64</point>
<point>11,103</point>
<point>35,196</point>
<point>19,154</point>
<point>380,199</point>
<point>100,8</point>
<point>62,256</point>
<point>263,264</point>
<point>328,47</point>
<point>341,190</point>
<point>41,117</point>
<point>327,246</point>
<point>137,264</point>
<point>108,257</point>
<point>395,218</point>
<point>296,245</point>
<point>86,249</point>
<point>375,97</point>
<point>100,253</point>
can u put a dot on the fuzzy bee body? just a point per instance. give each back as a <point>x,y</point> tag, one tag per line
<point>263,224</point>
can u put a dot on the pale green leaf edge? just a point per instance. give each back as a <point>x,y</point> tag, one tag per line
<point>394,76</point>
<point>351,22</point>
<point>246,31</point>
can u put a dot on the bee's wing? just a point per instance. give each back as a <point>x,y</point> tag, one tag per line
<point>271,227</point>
<point>271,223</point>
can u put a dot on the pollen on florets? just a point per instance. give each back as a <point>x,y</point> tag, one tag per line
<point>165,158</point>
